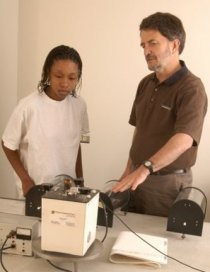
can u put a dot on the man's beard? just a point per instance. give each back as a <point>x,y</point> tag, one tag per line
<point>156,67</point>
<point>159,64</point>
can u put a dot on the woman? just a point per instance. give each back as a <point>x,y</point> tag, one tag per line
<point>42,137</point>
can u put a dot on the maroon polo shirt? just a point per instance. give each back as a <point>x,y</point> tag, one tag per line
<point>160,110</point>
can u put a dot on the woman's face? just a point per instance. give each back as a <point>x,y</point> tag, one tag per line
<point>63,77</point>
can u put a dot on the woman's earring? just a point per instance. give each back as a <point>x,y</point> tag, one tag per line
<point>47,82</point>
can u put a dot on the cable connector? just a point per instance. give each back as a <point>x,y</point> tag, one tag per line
<point>11,234</point>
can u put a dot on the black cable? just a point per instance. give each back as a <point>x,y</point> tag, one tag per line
<point>170,257</point>
<point>57,267</point>
<point>5,248</point>
<point>9,235</point>
<point>1,254</point>
<point>106,220</point>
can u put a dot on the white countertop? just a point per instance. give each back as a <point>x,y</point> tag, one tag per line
<point>192,250</point>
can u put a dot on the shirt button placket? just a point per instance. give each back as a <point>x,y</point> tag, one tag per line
<point>152,99</point>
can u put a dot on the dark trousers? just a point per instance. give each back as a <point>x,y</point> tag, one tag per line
<point>157,193</point>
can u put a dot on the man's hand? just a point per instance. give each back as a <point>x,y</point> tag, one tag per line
<point>132,180</point>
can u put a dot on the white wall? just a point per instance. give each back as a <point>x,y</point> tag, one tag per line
<point>105,32</point>
<point>8,79</point>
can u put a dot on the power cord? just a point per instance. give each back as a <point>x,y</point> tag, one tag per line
<point>168,256</point>
<point>6,248</point>
<point>106,220</point>
<point>57,267</point>
<point>10,235</point>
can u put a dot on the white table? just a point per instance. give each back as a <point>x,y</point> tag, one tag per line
<point>193,250</point>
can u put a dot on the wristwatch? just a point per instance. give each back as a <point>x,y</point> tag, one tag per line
<point>149,165</point>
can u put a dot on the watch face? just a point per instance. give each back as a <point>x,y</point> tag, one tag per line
<point>149,166</point>
<point>147,163</point>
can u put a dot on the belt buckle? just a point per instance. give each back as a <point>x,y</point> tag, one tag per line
<point>180,171</point>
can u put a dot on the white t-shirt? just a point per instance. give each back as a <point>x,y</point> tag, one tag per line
<point>47,133</point>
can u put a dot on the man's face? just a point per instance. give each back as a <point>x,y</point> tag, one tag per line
<point>158,50</point>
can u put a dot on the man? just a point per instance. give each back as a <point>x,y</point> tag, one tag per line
<point>168,114</point>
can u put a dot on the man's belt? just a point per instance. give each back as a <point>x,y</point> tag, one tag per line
<point>165,172</point>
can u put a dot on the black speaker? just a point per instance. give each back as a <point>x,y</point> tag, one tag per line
<point>187,214</point>
<point>105,211</point>
<point>109,201</point>
<point>33,199</point>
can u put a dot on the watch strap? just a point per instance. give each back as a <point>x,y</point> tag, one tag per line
<point>149,165</point>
